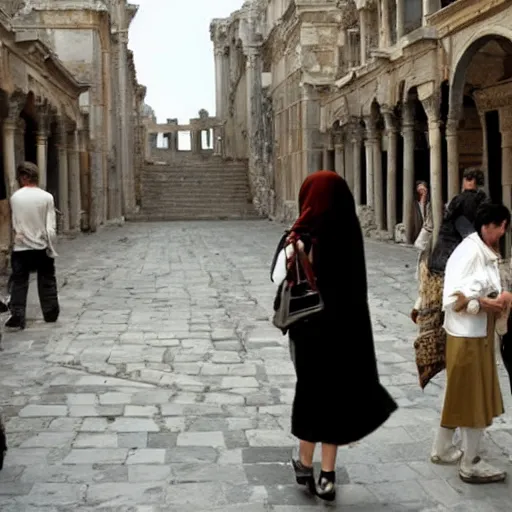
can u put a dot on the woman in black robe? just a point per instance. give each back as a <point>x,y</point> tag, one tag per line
<point>338,396</point>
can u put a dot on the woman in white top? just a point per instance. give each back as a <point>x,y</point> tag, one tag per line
<point>473,299</point>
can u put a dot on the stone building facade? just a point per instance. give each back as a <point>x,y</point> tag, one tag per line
<point>90,37</point>
<point>41,122</point>
<point>384,92</point>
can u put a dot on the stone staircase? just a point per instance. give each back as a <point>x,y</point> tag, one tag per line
<point>194,189</point>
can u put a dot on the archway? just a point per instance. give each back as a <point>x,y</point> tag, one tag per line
<point>481,100</point>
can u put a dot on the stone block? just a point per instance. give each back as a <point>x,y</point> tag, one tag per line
<point>214,439</point>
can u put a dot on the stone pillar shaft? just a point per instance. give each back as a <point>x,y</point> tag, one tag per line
<point>400,18</point>
<point>363,34</point>
<point>385,28</point>
<point>452,144</point>
<point>368,147</point>
<point>485,152</point>
<point>378,187</point>
<point>42,151</point>
<point>63,199</point>
<point>75,200</point>
<point>356,162</point>
<point>391,131</point>
<point>506,178</point>
<point>436,184</point>
<point>339,161</point>
<point>219,83</point>
<point>9,130</point>
<point>408,171</point>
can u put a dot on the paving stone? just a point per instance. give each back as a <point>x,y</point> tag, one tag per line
<point>96,441</point>
<point>146,456</point>
<point>43,410</point>
<point>195,414</point>
<point>214,439</point>
<point>96,456</point>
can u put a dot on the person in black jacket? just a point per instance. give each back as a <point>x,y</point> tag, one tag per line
<point>458,219</point>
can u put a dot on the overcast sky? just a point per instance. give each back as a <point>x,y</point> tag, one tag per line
<point>174,55</point>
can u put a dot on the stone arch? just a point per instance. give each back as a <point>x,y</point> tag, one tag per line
<point>463,61</point>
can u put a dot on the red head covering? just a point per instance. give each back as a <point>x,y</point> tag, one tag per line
<point>321,196</point>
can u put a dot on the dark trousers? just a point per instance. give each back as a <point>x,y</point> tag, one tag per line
<point>23,263</point>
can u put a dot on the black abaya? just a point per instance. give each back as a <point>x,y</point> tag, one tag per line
<point>338,398</point>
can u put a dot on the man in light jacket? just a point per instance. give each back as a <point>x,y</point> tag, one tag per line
<point>34,226</point>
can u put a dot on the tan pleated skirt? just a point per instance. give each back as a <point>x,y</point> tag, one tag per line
<point>473,396</point>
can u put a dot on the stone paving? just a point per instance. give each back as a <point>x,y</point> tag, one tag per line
<point>164,387</point>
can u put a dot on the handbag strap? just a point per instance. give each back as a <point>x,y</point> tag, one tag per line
<point>302,259</point>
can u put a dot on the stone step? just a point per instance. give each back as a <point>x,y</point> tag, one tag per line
<point>170,216</point>
<point>196,168</point>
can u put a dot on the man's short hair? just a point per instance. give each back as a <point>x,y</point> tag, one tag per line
<point>29,171</point>
<point>474,173</point>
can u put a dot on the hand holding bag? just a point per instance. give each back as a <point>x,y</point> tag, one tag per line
<point>297,298</point>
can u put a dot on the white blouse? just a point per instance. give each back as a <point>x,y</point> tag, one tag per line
<point>280,270</point>
<point>472,270</point>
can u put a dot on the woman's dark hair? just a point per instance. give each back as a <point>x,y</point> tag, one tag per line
<point>491,213</point>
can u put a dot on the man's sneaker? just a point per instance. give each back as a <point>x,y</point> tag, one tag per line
<point>15,322</point>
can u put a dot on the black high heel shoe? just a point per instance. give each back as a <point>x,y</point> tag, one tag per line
<point>304,475</point>
<point>326,488</point>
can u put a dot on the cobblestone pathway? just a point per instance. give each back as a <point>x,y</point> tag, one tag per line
<point>164,388</point>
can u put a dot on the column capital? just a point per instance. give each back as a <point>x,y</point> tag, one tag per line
<point>390,119</point>
<point>43,118</point>
<point>432,106</point>
<point>16,102</point>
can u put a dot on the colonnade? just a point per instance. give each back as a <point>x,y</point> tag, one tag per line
<point>67,138</point>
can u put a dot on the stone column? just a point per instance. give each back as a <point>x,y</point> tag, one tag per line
<point>368,147</point>
<point>363,34</point>
<point>385,26</point>
<point>356,140</point>
<point>400,18</point>
<point>257,177</point>
<point>126,172</point>
<point>408,171</point>
<point>63,199</point>
<point>10,125</point>
<point>339,161</point>
<point>430,7</point>
<point>506,165</point>
<point>43,125</point>
<point>485,151</point>
<point>42,151</point>
<point>9,130</point>
<point>378,187</point>
<point>392,134</point>
<point>431,106</point>
<point>75,199</point>
<point>452,144</point>
<point>219,82</point>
